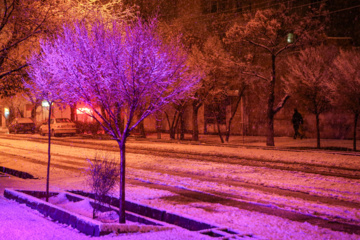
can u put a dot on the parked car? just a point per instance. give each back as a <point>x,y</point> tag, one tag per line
<point>58,127</point>
<point>22,125</point>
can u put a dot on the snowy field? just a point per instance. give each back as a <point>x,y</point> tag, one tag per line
<point>192,175</point>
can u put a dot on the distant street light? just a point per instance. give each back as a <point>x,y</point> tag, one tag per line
<point>6,112</point>
<point>290,38</point>
<point>45,104</point>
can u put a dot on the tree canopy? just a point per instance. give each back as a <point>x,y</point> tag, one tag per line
<point>345,84</point>
<point>273,32</point>
<point>113,69</point>
<point>307,78</point>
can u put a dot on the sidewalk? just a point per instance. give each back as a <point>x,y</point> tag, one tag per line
<point>257,141</point>
<point>246,141</point>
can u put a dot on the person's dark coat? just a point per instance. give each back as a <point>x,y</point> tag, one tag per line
<point>297,120</point>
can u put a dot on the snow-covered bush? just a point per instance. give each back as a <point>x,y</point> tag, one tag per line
<point>102,178</point>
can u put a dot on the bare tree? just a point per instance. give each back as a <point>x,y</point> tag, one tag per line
<point>193,36</point>
<point>307,80</point>
<point>123,67</point>
<point>238,97</point>
<point>273,32</point>
<point>345,84</point>
<point>174,117</point>
<point>221,77</point>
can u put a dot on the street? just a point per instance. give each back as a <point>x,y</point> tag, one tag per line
<point>223,185</point>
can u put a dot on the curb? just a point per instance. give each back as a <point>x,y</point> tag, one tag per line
<point>16,173</point>
<point>84,224</point>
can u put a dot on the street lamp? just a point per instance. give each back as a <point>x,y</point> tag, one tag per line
<point>6,112</point>
<point>290,38</point>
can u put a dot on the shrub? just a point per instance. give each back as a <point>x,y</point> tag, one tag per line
<point>102,178</point>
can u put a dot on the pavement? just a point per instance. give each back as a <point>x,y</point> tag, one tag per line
<point>281,143</point>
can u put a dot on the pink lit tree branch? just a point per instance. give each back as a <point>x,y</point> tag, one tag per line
<point>43,87</point>
<point>125,68</point>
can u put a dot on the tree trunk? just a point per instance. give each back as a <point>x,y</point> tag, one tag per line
<point>141,128</point>
<point>317,130</point>
<point>73,112</point>
<point>356,117</point>
<point>158,126</point>
<point>33,112</point>
<point>182,126</point>
<point>228,127</point>
<point>119,117</point>
<point>20,112</point>
<point>270,108</point>
<point>172,133</point>
<point>219,129</point>
<point>11,116</point>
<point>103,112</point>
<point>121,144</point>
<point>195,125</point>
<point>173,125</point>
<point>49,155</point>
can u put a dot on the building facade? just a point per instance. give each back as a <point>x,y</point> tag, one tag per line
<point>250,119</point>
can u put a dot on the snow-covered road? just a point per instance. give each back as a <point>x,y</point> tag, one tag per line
<point>328,197</point>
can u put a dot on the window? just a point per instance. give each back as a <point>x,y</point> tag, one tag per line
<point>214,6</point>
<point>219,6</point>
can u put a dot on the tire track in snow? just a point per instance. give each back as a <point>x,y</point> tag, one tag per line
<point>333,171</point>
<point>81,163</point>
<point>215,196</point>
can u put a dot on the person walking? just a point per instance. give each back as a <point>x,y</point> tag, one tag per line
<point>297,121</point>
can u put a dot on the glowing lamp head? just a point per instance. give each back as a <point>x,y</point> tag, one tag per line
<point>290,38</point>
<point>45,104</point>
<point>6,112</point>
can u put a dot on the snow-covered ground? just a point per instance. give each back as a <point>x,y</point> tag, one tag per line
<point>192,175</point>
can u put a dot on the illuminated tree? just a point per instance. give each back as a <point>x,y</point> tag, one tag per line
<point>345,84</point>
<point>272,33</point>
<point>24,22</point>
<point>307,80</point>
<point>124,67</point>
<point>46,88</point>
<point>66,12</point>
